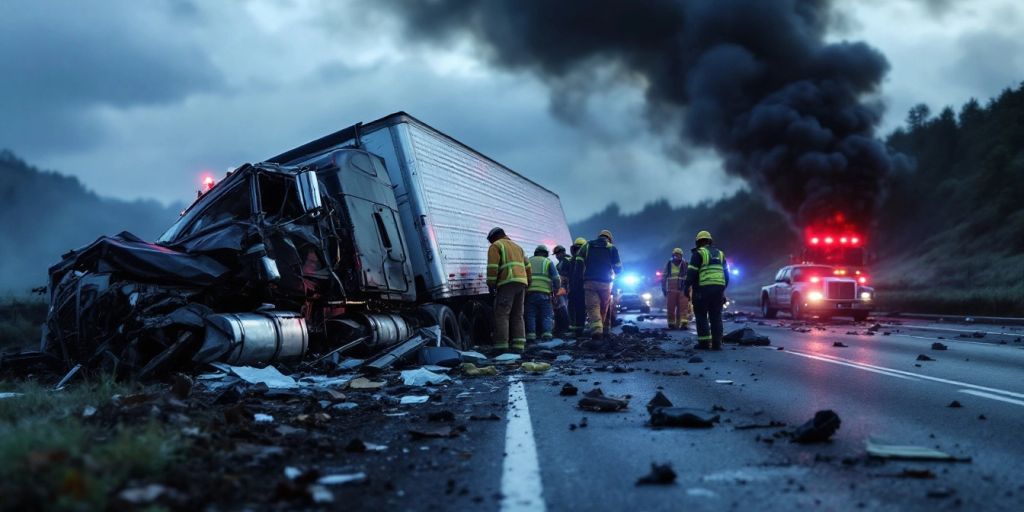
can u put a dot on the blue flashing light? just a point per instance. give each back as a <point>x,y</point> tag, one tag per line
<point>630,279</point>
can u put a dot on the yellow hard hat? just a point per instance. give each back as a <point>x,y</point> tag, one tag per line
<point>580,241</point>
<point>607,234</point>
<point>703,235</point>
<point>677,251</point>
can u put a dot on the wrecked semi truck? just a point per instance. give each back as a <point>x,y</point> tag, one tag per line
<point>353,241</point>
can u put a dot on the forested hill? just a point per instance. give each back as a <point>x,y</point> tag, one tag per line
<point>45,214</point>
<point>950,230</point>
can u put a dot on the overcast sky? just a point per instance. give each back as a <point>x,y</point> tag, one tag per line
<point>137,99</point>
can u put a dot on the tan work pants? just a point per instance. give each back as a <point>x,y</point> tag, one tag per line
<point>678,305</point>
<point>598,298</point>
<point>508,316</point>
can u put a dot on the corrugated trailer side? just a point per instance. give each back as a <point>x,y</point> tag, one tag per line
<point>458,195</point>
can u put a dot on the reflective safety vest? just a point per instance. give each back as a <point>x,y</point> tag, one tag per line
<point>506,263</point>
<point>674,276</point>
<point>542,275</point>
<point>712,268</point>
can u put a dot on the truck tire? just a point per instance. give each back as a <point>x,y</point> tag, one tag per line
<point>767,310</point>
<point>477,321</point>
<point>860,316</point>
<point>444,317</point>
<point>796,307</point>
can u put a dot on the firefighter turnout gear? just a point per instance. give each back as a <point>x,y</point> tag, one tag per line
<point>544,280</point>
<point>508,273</point>
<point>707,276</point>
<point>597,263</point>
<point>673,287</point>
<point>560,302</point>
<point>574,285</point>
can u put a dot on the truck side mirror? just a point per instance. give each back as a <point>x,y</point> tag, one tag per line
<point>309,191</point>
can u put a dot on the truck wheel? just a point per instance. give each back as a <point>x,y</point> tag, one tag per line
<point>797,309</point>
<point>444,317</point>
<point>476,319</point>
<point>860,316</point>
<point>645,309</point>
<point>766,310</point>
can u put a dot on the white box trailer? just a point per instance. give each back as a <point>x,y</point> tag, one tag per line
<point>449,196</point>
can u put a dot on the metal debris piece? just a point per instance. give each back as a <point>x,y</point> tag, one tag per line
<point>746,336</point>
<point>908,452</point>
<point>818,429</point>
<point>661,474</point>
<point>595,400</point>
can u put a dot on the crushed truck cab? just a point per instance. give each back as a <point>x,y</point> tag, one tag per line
<point>822,290</point>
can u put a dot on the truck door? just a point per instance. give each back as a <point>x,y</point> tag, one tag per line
<point>783,288</point>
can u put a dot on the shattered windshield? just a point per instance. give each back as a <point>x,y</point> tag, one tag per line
<point>234,204</point>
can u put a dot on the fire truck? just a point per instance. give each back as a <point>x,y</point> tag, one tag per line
<point>829,278</point>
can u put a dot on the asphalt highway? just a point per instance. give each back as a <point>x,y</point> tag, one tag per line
<point>875,384</point>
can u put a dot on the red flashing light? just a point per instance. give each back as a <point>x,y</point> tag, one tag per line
<point>862,279</point>
<point>854,240</point>
<point>658,273</point>
<point>829,240</point>
<point>208,183</point>
<point>815,240</point>
<point>844,240</point>
<point>815,279</point>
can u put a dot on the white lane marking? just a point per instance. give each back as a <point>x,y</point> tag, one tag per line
<point>993,397</point>
<point>521,487</point>
<point>859,367</point>
<point>901,373</point>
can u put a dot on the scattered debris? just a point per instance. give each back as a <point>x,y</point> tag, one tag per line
<point>982,417</point>
<point>422,377</point>
<point>471,370</point>
<point>9,395</point>
<point>389,358</point>
<point>414,399</point>
<point>941,492</point>
<point>696,359</point>
<point>922,357</point>
<point>342,479</point>
<point>954,404</point>
<point>507,358</point>
<point>921,474</point>
<point>908,452</point>
<point>723,381</point>
<point>595,400</point>
<point>746,336</point>
<point>364,383</point>
<point>939,346</point>
<point>661,474</point>
<point>839,344</point>
<point>533,367</point>
<point>440,356</point>
<point>262,418</point>
<point>433,433</point>
<point>488,417</point>
<point>269,375</point>
<point>875,328</point>
<point>818,429</point>
<point>549,345</point>
<point>664,414</point>
<point>569,390</point>
<point>472,357</point>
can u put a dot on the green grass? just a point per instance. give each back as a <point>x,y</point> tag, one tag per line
<point>54,459</point>
<point>21,321</point>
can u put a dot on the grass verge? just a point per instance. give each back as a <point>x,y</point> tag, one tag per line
<point>61,451</point>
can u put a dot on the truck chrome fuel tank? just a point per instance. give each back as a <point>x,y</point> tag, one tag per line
<point>262,337</point>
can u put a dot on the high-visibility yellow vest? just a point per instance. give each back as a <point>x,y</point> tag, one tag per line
<point>540,274</point>
<point>506,263</point>
<point>674,275</point>
<point>712,268</point>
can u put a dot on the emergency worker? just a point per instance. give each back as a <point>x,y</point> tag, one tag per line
<point>508,276</point>
<point>707,276</point>
<point>673,288</point>
<point>559,299</point>
<point>543,282</point>
<point>600,263</point>
<point>577,300</point>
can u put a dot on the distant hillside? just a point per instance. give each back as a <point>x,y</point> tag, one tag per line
<point>950,231</point>
<point>44,214</point>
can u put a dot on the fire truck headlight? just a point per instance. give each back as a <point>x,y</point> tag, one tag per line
<point>646,297</point>
<point>865,296</point>
<point>815,296</point>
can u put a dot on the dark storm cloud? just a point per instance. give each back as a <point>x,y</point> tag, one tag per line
<point>753,79</point>
<point>64,60</point>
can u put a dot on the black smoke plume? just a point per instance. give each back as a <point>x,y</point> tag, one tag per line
<point>754,79</point>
